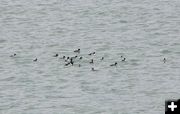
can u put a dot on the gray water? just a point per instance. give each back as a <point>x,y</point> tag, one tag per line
<point>143,31</point>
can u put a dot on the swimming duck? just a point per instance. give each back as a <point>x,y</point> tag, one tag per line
<point>13,55</point>
<point>77,51</point>
<point>71,61</point>
<point>92,69</point>
<point>74,57</point>
<point>114,64</point>
<point>124,59</point>
<point>80,57</point>
<point>164,60</point>
<point>102,58</point>
<point>35,60</point>
<point>67,59</point>
<point>67,64</point>
<point>92,61</point>
<point>63,57</point>
<point>56,55</point>
<point>92,53</point>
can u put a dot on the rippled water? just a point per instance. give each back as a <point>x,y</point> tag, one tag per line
<point>143,31</point>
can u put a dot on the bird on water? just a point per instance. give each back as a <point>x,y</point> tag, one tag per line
<point>164,60</point>
<point>80,57</point>
<point>63,57</point>
<point>13,55</point>
<point>77,51</point>
<point>56,55</point>
<point>35,60</point>
<point>92,69</point>
<point>93,53</point>
<point>102,58</point>
<point>71,61</point>
<point>74,57</point>
<point>124,59</point>
<point>114,64</point>
<point>92,61</point>
<point>67,59</point>
<point>67,64</point>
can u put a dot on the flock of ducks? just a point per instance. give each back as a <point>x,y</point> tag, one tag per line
<point>70,60</point>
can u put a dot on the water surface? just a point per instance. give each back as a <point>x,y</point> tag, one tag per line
<point>143,31</point>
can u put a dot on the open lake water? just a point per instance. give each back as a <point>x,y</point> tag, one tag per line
<point>142,31</point>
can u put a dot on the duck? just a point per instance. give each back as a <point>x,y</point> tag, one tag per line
<point>114,64</point>
<point>67,59</point>
<point>67,64</point>
<point>92,69</point>
<point>63,57</point>
<point>93,53</point>
<point>35,60</point>
<point>102,58</point>
<point>77,51</point>
<point>13,55</point>
<point>74,57</point>
<point>71,61</point>
<point>92,61</point>
<point>124,59</point>
<point>164,60</point>
<point>56,55</point>
<point>80,57</point>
